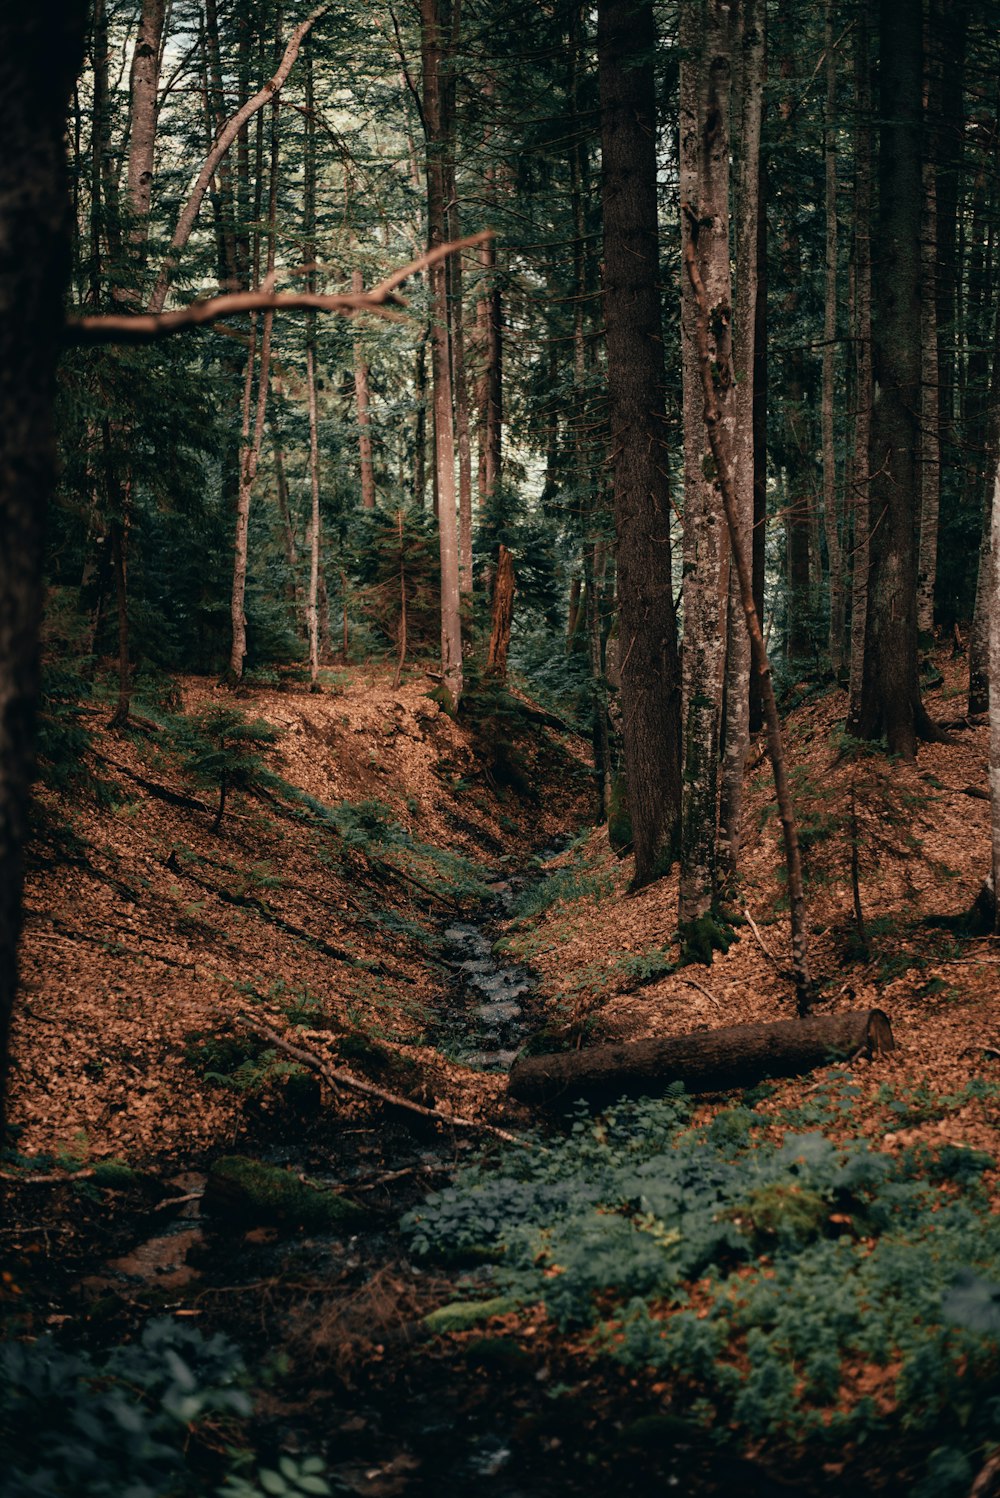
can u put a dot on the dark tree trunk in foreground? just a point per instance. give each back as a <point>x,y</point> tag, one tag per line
<point>708,1061</point>
<point>647,627</point>
<point>890,699</point>
<point>39,53</point>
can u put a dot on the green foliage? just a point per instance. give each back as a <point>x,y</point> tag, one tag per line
<point>220,749</point>
<point>811,1259</point>
<point>619,816</point>
<point>63,741</point>
<point>291,1479</point>
<point>104,1429</point>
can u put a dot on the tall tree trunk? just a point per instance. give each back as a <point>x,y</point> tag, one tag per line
<point>253,435</point>
<point>284,508</point>
<point>752,66</point>
<point>831,506</point>
<point>930,443</point>
<point>144,80</point>
<point>706,73</point>
<point>994,661</point>
<point>890,703</point>
<point>438,130</point>
<point>361,396</point>
<point>456,336</point>
<point>949,26</point>
<point>40,49</point>
<point>647,627</point>
<point>490,384</point>
<point>862,331</point>
<point>980,636</point>
<point>714,380</point>
<point>309,251</point>
<point>759,421</point>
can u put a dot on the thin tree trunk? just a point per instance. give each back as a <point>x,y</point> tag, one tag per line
<point>361,395</point>
<point>647,627</point>
<point>253,436</point>
<point>862,330</point>
<point>831,507</point>
<point>402,601</point>
<point>719,434</point>
<point>144,80</point>
<point>504,588</point>
<point>706,72</point>
<point>285,513</point>
<point>490,385</point>
<point>456,333</point>
<point>759,421</point>
<point>437,129</point>
<point>748,220</point>
<point>309,250</point>
<point>420,424</point>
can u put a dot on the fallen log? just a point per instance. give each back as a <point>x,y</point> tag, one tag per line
<point>706,1061</point>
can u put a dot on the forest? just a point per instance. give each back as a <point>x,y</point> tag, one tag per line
<point>499,748</point>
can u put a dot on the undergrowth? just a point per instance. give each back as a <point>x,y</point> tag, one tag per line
<point>159,1416</point>
<point>803,1292</point>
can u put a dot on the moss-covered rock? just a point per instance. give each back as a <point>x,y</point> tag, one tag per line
<point>462,1315</point>
<point>242,1192</point>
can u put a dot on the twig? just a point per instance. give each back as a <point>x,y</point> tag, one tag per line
<point>760,940</point>
<point>337,1077</point>
<point>702,989</point>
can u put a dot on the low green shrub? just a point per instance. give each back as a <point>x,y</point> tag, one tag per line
<point>781,1284</point>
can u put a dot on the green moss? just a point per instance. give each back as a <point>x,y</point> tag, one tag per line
<point>117,1176</point>
<point>461,1315</point>
<point>701,937</point>
<point>246,1191</point>
<point>619,816</point>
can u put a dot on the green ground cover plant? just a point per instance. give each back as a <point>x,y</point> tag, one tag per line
<point>804,1292</point>
<point>130,1424</point>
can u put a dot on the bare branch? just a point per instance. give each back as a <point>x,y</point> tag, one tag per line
<point>223,141</point>
<point>382,301</point>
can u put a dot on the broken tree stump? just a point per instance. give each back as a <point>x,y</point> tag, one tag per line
<point>707,1061</point>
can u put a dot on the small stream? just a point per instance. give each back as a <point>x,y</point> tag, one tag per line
<point>489,1016</point>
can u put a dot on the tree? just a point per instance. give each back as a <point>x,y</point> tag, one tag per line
<point>706,76</point>
<point>647,626</point>
<point>40,48</point>
<point>438,131</point>
<point>890,701</point>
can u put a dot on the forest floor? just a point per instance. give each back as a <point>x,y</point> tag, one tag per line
<point>155,948</point>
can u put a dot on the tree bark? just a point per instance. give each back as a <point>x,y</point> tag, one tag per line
<point>706,73</point>
<point>504,588</point>
<point>362,400</point>
<point>994,687</point>
<point>890,702</point>
<point>647,627</point>
<point>736,722</point>
<point>144,80</point>
<point>40,49</point>
<point>437,131</point>
<point>862,330</point>
<point>707,1061</point>
<point>720,440</point>
<point>930,442</point>
<point>253,436</point>
<point>831,507</point>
